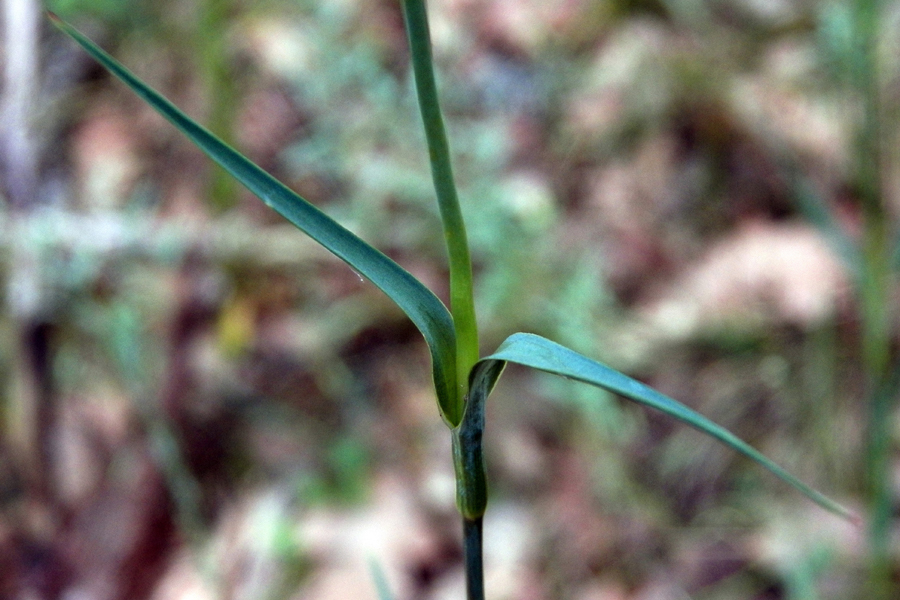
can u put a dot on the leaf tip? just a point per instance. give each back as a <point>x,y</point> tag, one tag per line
<point>845,513</point>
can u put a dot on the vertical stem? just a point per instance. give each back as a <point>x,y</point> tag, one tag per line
<point>462,305</point>
<point>472,538</point>
<point>879,491</point>
<point>211,43</point>
<point>37,343</point>
<point>874,295</point>
<point>466,439</point>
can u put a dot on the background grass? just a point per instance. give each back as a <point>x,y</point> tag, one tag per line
<point>199,399</point>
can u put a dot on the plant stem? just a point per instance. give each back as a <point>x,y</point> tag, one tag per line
<point>472,537</point>
<point>462,304</point>
<point>874,295</point>
<point>212,48</point>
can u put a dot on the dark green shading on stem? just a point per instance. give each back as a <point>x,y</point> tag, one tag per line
<point>417,301</point>
<point>473,537</point>
<point>462,304</point>
<point>542,354</point>
<point>471,478</point>
<point>468,455</point>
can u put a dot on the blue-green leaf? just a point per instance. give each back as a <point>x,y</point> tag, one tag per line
<point>424,308</point>
<point>542,354</point>
<point>381,583</point>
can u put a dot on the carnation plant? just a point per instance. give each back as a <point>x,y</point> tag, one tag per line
<point>463,378</point>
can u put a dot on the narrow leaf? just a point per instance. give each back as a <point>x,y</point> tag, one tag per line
<point>380,578</point>
<point>417,301</point>
<point>462,303</point>
<point>814,207</point>
<point>542,354</point>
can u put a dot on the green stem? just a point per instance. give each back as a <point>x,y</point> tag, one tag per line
<point>462,304</point>
<point>874,295</point>
<point>471,486</point>
<point>882,398</point>
<point>880,497</point>
<point>211,45</point>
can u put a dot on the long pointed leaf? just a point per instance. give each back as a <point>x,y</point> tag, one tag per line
<point>542,354</point>
<point>418,302</point>
<point>462,303</point>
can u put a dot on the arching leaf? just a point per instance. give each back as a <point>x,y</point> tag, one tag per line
<point>418,302</point>
<point>544,355</point>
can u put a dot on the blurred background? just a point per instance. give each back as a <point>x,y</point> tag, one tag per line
<point>199,403</point>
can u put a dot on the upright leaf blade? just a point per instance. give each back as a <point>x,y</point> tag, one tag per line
<point>425,310</point>
<point>462,302</point>
<point>542,354</point>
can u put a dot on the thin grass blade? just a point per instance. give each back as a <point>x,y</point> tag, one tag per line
<point>542,354</point>
<point>425,310</point>
<point>380,579</point>
<point>811,204</point>
<point>462,302</point>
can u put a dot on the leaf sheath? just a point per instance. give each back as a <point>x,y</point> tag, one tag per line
<point>540,353</point>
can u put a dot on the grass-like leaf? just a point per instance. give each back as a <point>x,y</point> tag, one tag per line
<point>462,302</point>
<point>380,579</point>
<point>425,310</point>
<point>815,209</point>
<point>542,354</point>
